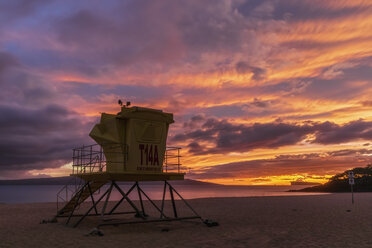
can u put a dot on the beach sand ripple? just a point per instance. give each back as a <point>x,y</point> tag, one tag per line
<point>287,221</point>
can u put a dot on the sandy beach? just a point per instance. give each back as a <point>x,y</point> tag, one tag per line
<point>288,221</point>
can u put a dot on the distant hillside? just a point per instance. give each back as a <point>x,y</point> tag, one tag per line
<point>39,181</point>
<point>71,180</point>
<point>340,182</point>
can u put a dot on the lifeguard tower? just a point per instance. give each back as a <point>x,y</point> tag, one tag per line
<point>131,147</point>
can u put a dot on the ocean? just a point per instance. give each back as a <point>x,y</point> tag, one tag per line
<point>48,193</point>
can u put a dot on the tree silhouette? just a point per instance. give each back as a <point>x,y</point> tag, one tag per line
<point>340,182</point>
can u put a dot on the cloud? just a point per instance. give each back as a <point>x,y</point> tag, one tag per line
<point>228,137</point>
<point>22,87</point>
<point>6,61</point>
<point>313,164</point>
<point>337,70</point>
<point>39,138</point>
<point>261,104</point>
<point>311,10</point>
<point>331,133</point>
<point>17,9</point>
<point>120,41</point>
<point>367,103</point>
<point>137,37</point>
<point>243,68</point>
<point>194,121</point>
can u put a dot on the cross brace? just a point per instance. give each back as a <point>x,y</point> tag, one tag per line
<point>139,212</point>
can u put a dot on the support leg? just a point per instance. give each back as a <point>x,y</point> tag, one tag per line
<point>187,204</point>
<point>148,198</point>
<point>107,199</point>
<point>162,202</point>
<point>122,199</point>
<point>173,202</point>
<point>140,199</point>
<point>92,198</point>
<point>127,198</point>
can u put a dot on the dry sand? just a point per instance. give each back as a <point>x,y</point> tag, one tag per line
<point>288,221</point>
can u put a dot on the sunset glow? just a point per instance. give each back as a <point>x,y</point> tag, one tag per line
<point>262,92</point>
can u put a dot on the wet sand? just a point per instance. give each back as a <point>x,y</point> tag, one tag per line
<point>287,221</point>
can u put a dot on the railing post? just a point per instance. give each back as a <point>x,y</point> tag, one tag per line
<point>166,160</point>
<point>90,159</point>
<point>178,149</point>
<point>100,159</point>
<point>73,161</point>
<point>81,159</point>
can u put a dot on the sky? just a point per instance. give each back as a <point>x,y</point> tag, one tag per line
<point>262,91</point>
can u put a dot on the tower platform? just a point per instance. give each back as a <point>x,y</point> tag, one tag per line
<point>129,176</point>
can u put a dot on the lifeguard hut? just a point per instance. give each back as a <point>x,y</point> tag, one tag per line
<point>131,147</point>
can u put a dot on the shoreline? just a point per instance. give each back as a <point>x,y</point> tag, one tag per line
<point>275,221</point>
<point>48,193</point>
<point>212,197</point>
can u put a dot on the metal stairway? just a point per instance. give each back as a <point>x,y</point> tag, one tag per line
<point>80,196</point>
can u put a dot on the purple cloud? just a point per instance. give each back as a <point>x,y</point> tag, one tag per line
<point>39,138</point>
<point>228,137</point>
<point>313,163</point>
<point>331,133</point>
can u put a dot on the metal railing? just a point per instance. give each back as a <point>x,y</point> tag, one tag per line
<point>88,159</point>
<point>91,158</point>
<point>172,160</point>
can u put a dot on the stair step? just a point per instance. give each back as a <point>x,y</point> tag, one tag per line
<point>94,186</point>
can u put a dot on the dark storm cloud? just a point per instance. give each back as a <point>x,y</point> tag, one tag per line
<point>23,88</point>
<point>39,138</point>
<point>331,133</point>
<point>313,163</point>
<point>85,27</point>
<point>139,33</point>
<point>261,104</point>
<point>92,92</point>
<point>6,61</point>
<point>258,73</point>
<point>124,39</point>
<point>15,9</point>
<point>195,148</point>
<point>228,137</point>
<point>297,10</point>
<point>194,121</point>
